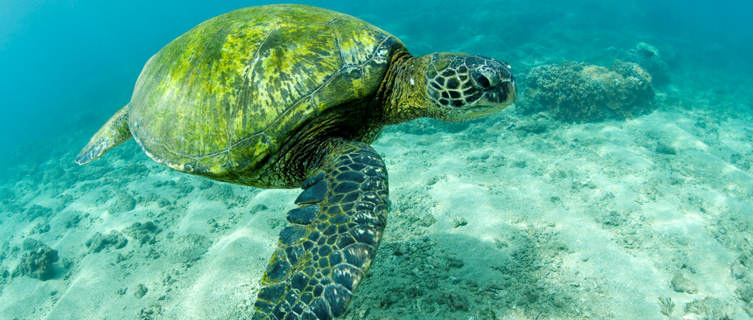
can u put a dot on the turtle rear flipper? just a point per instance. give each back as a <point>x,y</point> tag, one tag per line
<point>114,132</point>
<point>332,239</point>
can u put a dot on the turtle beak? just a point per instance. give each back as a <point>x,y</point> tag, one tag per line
<point>508,91</point>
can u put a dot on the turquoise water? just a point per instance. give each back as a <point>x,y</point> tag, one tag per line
<point>491,231</point>
<point>68,64</point>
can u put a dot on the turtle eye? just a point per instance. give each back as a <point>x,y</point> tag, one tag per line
<point>483,78</point>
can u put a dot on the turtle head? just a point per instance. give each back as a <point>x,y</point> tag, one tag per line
<point>464,87</point>
<point>447,86</point>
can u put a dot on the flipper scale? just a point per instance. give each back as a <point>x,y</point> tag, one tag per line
<point>327,249</point>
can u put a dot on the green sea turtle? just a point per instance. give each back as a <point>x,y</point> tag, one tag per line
<point>285,96</point>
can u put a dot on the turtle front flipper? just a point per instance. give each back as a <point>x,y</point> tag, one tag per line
<point>114,132</point>
<point>332,239</point>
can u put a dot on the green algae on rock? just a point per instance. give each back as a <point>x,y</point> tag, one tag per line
<point>37,261</point>
<point>579,92</point>
<point>114,239</point>
<point>650,59</point>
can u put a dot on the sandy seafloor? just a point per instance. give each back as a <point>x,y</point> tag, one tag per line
<point>505,218</point>
<point>510,217</point>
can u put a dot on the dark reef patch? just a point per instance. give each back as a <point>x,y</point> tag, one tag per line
<point>37,260</point>
<point>98,242</point>
<point>578,92</point>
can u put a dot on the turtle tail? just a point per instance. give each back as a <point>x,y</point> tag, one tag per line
<point>114,132</point>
